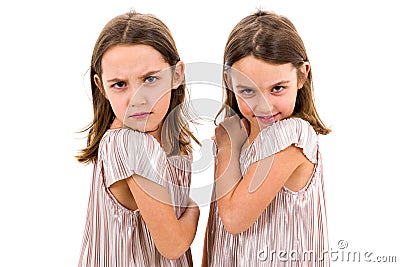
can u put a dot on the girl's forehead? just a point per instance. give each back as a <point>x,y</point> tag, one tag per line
<point>251,70</point>
<point>132,60</point>
<point>251,62</point>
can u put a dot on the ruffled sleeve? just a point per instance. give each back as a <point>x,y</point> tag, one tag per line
<point>280,135</point>
<point>125,152</point>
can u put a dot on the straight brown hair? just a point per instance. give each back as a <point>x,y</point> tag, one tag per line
<point>274,39</point>
<point>135,28</point>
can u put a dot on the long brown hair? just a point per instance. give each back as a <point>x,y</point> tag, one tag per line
<point>135,28</point>
<point>274,39</point>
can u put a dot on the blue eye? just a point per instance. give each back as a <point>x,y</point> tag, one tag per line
<point>151,79</point>
<point>247,91</point>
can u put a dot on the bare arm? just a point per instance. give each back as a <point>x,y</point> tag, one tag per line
<point>171,236</point>
<point>241,201</point>
<point>204,262</point>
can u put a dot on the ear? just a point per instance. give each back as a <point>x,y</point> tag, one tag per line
<point>99,85</point>
<point>178,75</point>
<point>228,79</point>
<point>304,69</point>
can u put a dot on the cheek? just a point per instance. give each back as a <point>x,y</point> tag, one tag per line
<point>118,104</point>
<point>244,107</point>
<point>292,101</point>
<point>288,103</point>
<point>161,103</point>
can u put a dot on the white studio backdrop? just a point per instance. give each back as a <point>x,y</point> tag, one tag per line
<point>45,51</point>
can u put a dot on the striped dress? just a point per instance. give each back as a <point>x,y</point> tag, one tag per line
<point>114,235</point>
<point>292,231</point>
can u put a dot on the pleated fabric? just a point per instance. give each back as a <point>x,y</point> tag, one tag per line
<point>114,235</point>
<point>292,231</point>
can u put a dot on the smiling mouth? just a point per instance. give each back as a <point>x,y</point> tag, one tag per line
<point>140,115</point>
<point>267,119</point>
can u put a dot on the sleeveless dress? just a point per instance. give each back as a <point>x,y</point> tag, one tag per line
<point>292,231</point>
<point>114,235</point>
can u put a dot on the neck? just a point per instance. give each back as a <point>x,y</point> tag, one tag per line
<point>156,133</point>
<point>116,124</point>
<point>254,131</point>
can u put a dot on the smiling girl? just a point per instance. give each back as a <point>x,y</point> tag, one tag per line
<point>269,191</point>
<point>139,211</point>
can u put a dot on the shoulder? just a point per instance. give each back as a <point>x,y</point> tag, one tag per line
<point>128,145</point>
<point>283,134</point>
<point>133,152</point>
<point>293,125</point>
<point>293,130</point>
<point>125,137</point>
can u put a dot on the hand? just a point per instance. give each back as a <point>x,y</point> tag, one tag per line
<point>192,203</point>
<point>193,209</point>
<point>231,133</point>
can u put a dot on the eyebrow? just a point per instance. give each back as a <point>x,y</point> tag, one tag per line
<point>150,73</point>
<point>242,86</point>
<point>145,75</point>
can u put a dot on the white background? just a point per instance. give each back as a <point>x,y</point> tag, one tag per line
<point>45,51</point>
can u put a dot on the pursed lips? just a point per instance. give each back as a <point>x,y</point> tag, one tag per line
<point>140,115</point>
<point>267,119</point>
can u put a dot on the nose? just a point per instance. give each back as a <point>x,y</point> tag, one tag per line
<point>138,97</point>
<point>264,104</point>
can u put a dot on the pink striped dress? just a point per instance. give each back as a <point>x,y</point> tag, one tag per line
<point>292,231</point>
<point>114,235</point>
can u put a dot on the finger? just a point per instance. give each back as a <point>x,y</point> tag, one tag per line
<point>231,121</point>
<point>192,203</point>
<point>236,118</point>
<point>223,126</point>
<point>215,149</point>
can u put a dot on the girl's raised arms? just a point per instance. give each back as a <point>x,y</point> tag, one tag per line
<point>241,200</point>
<point>171,236</point>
